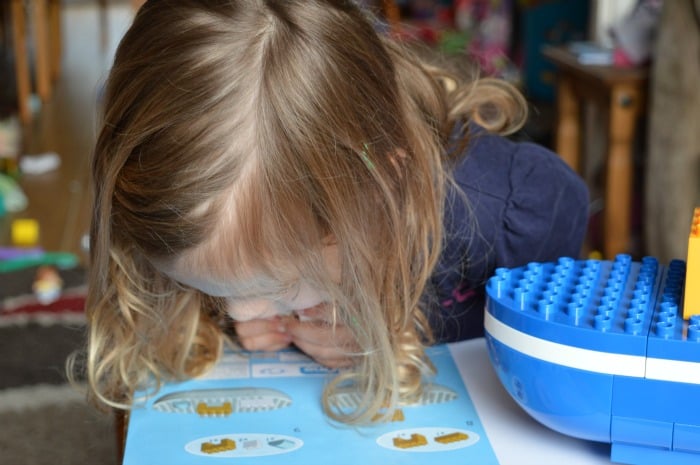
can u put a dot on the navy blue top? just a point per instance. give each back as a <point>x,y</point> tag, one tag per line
<point>521,203</point>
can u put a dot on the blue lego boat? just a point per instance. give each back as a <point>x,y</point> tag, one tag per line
<point>599,350</point>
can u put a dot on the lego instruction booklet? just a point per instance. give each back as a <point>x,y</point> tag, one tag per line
<point>259,409</point>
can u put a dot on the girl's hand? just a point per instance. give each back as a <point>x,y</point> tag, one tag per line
<point>314,334</point>
<point>268,334</point>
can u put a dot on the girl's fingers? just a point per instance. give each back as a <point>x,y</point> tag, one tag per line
<point>265,335</point>
<point>258,327</point>
<point>313,333</point>
<point>326,356</point>
<point>328,345</point>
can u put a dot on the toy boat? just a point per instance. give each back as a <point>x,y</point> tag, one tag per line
<point>600,350</point>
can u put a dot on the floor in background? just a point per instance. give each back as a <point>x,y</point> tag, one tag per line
<point>45,420</point>
<point>66,125</point>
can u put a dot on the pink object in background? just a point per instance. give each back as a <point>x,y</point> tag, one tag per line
<point>490,26</point>
<point>633,36</point>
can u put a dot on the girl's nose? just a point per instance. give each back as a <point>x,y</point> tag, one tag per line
<point>254,309</point>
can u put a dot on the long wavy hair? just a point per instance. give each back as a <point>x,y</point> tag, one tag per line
<point>254,130</point>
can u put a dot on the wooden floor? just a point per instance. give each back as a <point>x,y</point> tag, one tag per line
<point>67,124</point>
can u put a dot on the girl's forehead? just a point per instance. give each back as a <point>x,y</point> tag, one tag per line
<point>224,274</point>
<point>235,279</point>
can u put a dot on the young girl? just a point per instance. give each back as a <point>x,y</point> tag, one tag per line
<point>277,169</point>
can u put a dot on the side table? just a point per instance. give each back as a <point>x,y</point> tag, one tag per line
<point>621,93</point>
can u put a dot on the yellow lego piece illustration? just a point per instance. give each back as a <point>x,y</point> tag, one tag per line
<point>204,409</point>
<point>224,445</point>
<point>416,440</point>
<point>691,300</point>
<point>397,416</point>
<point>452,437</point>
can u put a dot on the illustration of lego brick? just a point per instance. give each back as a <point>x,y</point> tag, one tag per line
<point>224,445</point>
<point>452,437</point>
<point>223,401</point>
<point>204,409</point>
<point>397,416</point>
<point>416,440</point>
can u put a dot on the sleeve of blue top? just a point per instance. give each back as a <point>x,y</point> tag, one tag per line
<point>512,203</point>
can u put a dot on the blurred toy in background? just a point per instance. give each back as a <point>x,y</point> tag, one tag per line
<point>480,30</point>
<point>40,163</point>
<point>25,232</point>
<point>424,20</point>
<point>20,258</point>
<point>488,25</point>
<point>12,198</point>
<point>48,285</point>
<point>9,146</point>
<point>634,35</point>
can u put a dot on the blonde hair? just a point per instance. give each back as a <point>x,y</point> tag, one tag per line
<point>298,120</point>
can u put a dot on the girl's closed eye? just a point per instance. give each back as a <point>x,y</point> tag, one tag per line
<point>274,299</point>
<point>264,288</point>
<point>252,309</point>
<point>288,289</point>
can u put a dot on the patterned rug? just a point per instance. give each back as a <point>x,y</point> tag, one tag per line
<point>44,419</point>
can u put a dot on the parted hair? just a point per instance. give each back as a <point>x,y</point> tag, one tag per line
<point>247,133</point>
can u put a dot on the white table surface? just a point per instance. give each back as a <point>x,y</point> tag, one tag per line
<point>517,438</point>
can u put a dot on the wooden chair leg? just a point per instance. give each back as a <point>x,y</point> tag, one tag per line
<point>19,40</point>
<point>55,38</point>
<point>40,20</point>
<point>392,14</point>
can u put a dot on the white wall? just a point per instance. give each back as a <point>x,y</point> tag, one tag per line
<point>605,13</point>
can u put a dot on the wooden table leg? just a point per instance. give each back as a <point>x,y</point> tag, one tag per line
<point>624,109</point>
<point>121,421</point>
<point>568,133</point>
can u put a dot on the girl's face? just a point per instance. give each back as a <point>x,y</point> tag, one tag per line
<point>259,296</point>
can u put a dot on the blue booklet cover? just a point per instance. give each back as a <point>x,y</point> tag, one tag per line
<point>264,408</point>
